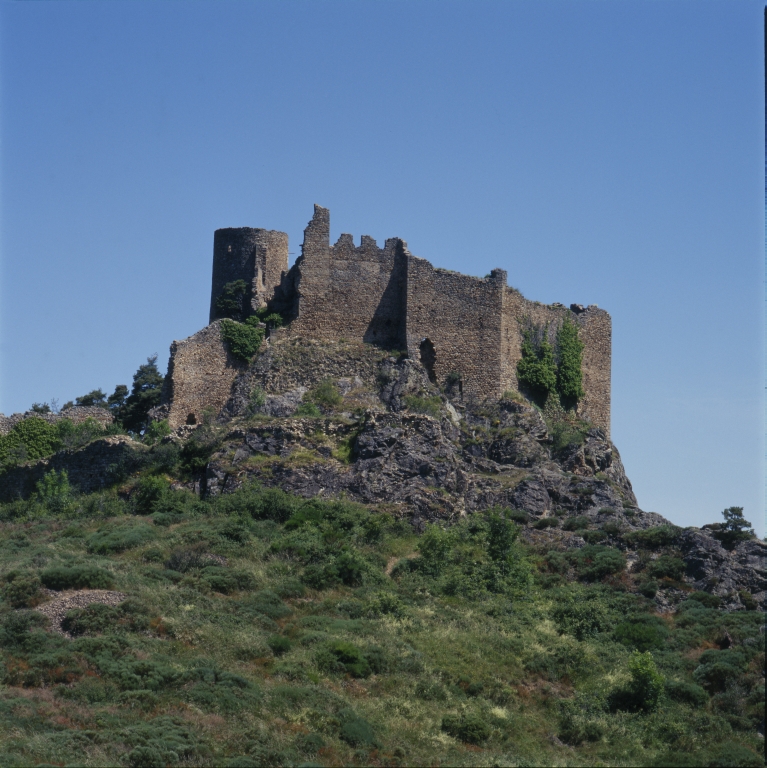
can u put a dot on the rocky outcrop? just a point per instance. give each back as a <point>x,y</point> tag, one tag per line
<point>711,568</point>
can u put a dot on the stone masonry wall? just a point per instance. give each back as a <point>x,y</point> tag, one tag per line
<point>257,256</point>
<point>348,291</point>
<point>594,330</point>
<point>457,319</point>
<point>200,375</point>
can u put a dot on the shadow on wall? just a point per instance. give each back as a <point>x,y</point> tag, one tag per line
<point>387,326</point>
<point>428,358</point>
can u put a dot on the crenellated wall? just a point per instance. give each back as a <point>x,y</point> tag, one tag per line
<point>453,323</point>
<point>348,291</point>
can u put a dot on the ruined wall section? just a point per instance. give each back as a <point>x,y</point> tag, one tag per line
<point>460,317</point>
<point>594,330</point>
<point>201,371</point>
<point>257,256</point>
<point>346,291</point>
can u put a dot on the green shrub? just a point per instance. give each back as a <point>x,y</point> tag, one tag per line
<point>226,581</point>
<point>279,644</point>
<point>308,410</point>
<point>355,730</point>
<point>156,431</point>
<point>469,728</point>
<point>545,522</point>
<point>646,687</point>
<point>231,301</point>
<point>73,436</point>
<point>325,395</point>
<point>434,547</point>
<point>687,693</point>
<point>256,400</point>
<point>581,617</point>
<point>197,450</point>
<point>341,656</point>
<point>706,599</point>
<point>595,561</point>
<point>566,432</point>
<point>76,577</point>
<point>643,632</point>
<point>653,538</point>
<point>594,537</point>
<point>667,566</point>
<point>576,524</point>
<point>21,589</point>
<point>536,370</point>
<point>649,588</point>
<point>719,669</point>
<point>97,618</point>
<point>427,405</point>
<point>54,491</point>
<point>119,538</point>
<point>243,339</point>
<point>30,439</point>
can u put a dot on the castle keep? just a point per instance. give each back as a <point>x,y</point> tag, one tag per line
<point>452,323</point>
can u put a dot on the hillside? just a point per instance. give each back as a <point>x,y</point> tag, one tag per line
<point>350,566</point>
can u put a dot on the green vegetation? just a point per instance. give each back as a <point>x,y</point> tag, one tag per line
<point>325,395</point>
<point>428,405</point>
<point>536,369</point>
<point>569,374</point>
<point>734,529</point>
<point>243,339</point>
<point>544,370</point>
<point>35,438</point>
<point>231,300</point>
<point>264,629</point>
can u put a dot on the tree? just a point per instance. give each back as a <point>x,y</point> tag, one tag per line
<point>94,397</point>
<point>116,400</point>
<point>646,686</point>
<point>536,370</point>
<point>145,395</point>
<point>734,529</point>
<point>40,408</point>
<point>569,374</point>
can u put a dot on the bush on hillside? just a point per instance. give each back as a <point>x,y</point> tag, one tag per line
<point>76,577</point>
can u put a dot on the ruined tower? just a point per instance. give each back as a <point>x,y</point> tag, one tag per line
<point>258,257</point>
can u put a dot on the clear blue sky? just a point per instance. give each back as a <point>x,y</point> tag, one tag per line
<point>604,153</point>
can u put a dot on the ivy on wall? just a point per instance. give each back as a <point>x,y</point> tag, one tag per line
<point>544,370</point>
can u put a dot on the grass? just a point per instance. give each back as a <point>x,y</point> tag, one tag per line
<point>263,629</point>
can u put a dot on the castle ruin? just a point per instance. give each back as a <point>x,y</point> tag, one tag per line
<point>455,324</point>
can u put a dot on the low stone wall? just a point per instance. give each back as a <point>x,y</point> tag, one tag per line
<point>98,465</point>
<point>77,414</point>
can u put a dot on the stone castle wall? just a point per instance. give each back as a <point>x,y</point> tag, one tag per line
<point>201,371</point>
<point>452,323</point>
<point>347,291</point>
<point>456,320</point>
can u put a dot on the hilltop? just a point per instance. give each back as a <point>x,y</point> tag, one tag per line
<point>351,564</point>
